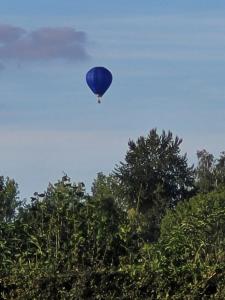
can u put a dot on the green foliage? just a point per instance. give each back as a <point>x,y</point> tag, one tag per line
<point>155,176</point>
<point>210,171</point>
<point>66,244</point>
<point>8,199</point>
<point>106,187</point>
<point>189,261</point>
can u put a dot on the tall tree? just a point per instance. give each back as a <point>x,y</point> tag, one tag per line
<point>155,175</point>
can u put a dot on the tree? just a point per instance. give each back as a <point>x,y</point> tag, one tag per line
<point>68,245</point>
<point>220,170</point>
<point>155,175</point>
<point>106,186</point>
<point>8,199</point>
<point>210,172</point>
<point>205,171</point>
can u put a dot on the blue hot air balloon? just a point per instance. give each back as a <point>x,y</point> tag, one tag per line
<point>99,80</point>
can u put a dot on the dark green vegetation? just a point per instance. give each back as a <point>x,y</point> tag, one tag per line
<point>153,229</point>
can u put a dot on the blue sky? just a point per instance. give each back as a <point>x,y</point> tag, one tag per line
<point>167,59</point>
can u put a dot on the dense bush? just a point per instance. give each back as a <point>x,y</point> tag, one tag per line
<point>188,260</point>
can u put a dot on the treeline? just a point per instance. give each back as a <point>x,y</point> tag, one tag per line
<point>152,229</point>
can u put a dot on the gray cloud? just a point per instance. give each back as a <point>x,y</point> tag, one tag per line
<point>46,43</point>
<point>10,33</point>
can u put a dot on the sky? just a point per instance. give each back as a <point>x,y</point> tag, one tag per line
<point>167,58</point>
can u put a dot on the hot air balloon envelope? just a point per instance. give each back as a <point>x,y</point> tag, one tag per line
<point>99,80</point>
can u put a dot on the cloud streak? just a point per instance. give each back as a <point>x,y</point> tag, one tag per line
<point>42,44</point>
